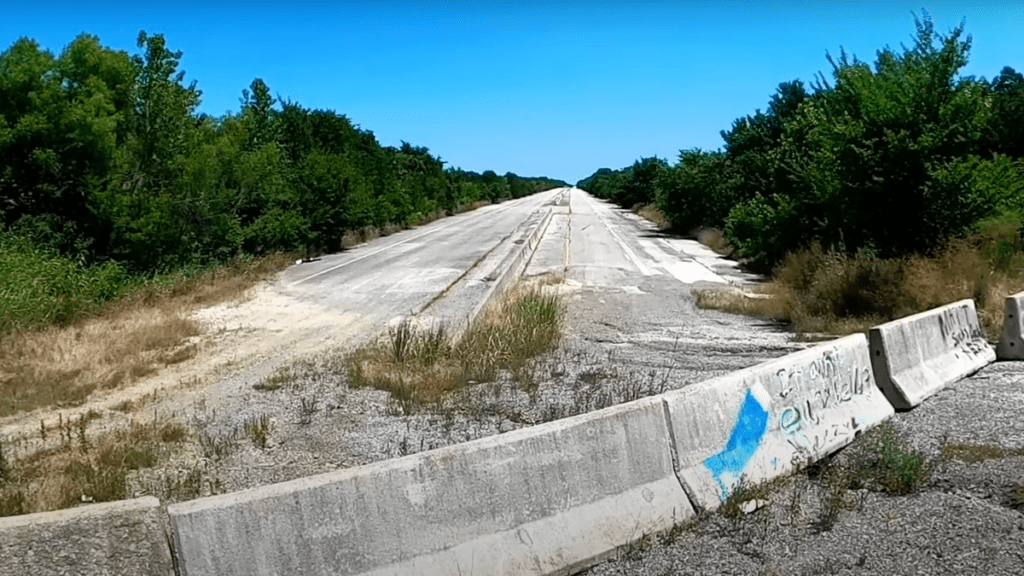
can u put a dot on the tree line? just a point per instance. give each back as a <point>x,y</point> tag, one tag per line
<point>883,160</point>
<point>105,161</point>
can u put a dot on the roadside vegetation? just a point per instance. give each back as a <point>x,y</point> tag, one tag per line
<point>419,365</point>
<point>80,466</point>
<point>125,452</point>
<point>109,345</point>
<point>880,191</point>
<point>835,292</point>
<point>121,207</point>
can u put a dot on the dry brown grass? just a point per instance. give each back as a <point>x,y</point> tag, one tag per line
<point>123,342</point>
<point>61,366</point>
<point>649,212</point>
<point>714,238</point>
<point>80,466</point>
<point>420,364</point>
<point>968,452</point>
<point>768,301</point>
<point>828,291</point>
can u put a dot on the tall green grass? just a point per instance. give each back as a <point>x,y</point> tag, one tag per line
<point>39,287</point>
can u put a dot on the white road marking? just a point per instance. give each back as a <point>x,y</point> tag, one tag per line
<point>686,271</point>
<point>630,254</point>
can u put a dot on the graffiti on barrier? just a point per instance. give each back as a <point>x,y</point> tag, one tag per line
<point>751,424</point>
<point>960,333</point>
<point>827,383</point>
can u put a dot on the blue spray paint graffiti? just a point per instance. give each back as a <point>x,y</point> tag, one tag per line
<point>751,425</point>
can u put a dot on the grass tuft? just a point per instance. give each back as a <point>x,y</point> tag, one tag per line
<point>257,428</point>
<point>419,365</point>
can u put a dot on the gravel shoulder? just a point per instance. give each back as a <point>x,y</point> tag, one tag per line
<point>968,519</point>
<point>620,345</point>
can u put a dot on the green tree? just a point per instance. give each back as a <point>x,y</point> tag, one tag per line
<point>1007,120</point>
<point>61,121</point>
<point>869,161</point>
<point>696,191</point>
<point>259,115</point>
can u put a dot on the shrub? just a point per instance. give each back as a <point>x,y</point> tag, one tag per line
<point>40,287</point>
<point>827,286</point>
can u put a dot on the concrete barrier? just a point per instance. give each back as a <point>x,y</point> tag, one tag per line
<point>768,420</point>
<point>541,500</point>
<point>115,538</point>
<point>916,356</point>
<point>1011,344</point>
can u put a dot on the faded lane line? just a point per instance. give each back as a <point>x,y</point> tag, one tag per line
<point>630,255</point>
<point>388,247</point>
<point>685,269</point>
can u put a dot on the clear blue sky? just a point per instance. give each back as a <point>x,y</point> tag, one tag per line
<point>556,88</point>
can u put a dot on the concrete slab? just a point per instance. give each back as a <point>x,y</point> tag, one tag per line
<point>489,278</point>
<point>768,420</point>
<point>541,500</point>
<point>916,356</point>
<point>114,538</point>
<point>1011,344</point>
<point>552,249</point>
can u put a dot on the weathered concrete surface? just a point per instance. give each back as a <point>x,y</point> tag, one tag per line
<point>538,500</point>
<point>765,421</point>
<point>115,538</point>
<point>916,356</point>
<point>491,276</point>
<point>1011,344</point>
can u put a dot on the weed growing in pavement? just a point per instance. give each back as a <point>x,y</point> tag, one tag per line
<point>966,452</point>
<point>181,487</point>
<point>747,496</point>
<point>835,482</point>
<point>881,460</point>
<point>257,428</point>
<point>217,446</point>
<point>891,465</point>
<point>307,409</point>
